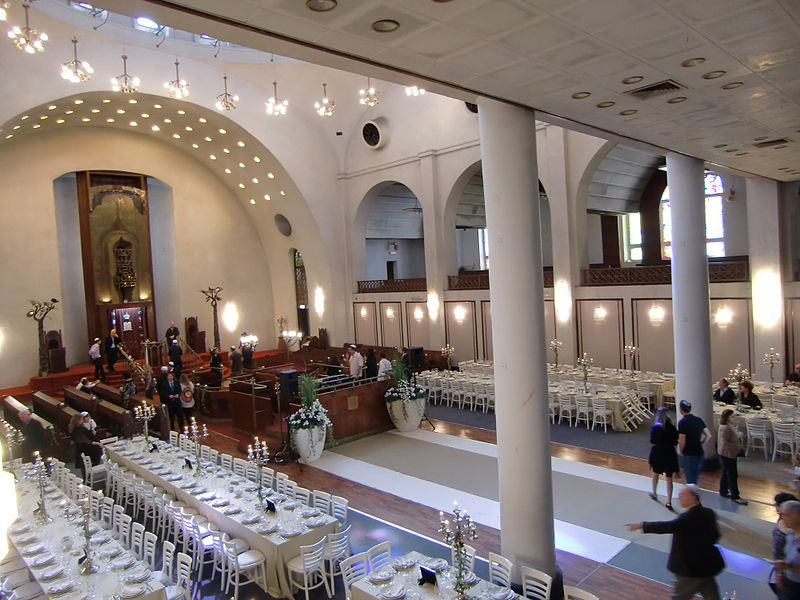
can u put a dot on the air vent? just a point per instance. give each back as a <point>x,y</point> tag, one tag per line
<point>667,86</point>
<point>772,143</point>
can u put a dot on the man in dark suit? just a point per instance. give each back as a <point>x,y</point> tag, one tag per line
<point>35,436</point>
<point>172,333</point>
<point>693,557</point>
<point>112,348</point>
<point>169,392</point>
<point>723,393</point>
<point>175,354</point>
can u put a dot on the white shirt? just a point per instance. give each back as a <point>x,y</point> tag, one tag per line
<point>94,350</point>
<point>356,365</point>
<point>384,366</point>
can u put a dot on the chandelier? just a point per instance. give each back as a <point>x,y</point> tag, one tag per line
<point>276,106</point>
<point>76,71</point>
<point>178,88</point>
<point>125,83</point>
<point>413,90</point>
<point>325,107</point>
<point>27,38</point>
<point>226,101</point>
<point>369,96</point>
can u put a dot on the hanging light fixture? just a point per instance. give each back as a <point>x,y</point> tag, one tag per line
<point>3,10</point>
<point>369,96</point>
<point>413,90</point>
<point>76,71</point>
<point>226,101</point>
<point>276,106</point>
<point>26,38</point>
<point>125,83</point>
<point>326,106</point>
<point>178,88</point>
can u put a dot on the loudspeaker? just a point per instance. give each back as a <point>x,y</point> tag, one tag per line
<point>288,382</point>
<point>416,358</point>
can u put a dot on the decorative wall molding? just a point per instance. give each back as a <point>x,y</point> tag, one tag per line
<point>718,272</point>
<point>479,280</point>
<point>393,285</point>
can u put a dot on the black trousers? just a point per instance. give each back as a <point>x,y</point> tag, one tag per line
<point>99,373</point>
<point>175,410</point>
<point>111,358</point>
<point>729,478</point>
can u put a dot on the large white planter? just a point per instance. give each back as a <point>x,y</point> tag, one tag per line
<point>412,417</point>
<point>309,443</point>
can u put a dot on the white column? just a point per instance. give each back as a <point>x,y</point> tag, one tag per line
<point>763,233</point>
<point>690,305</point>
<point>511,191</point>
<point>435,266</point>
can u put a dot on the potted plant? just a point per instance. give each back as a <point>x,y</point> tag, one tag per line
<point>405,401</point>
<point>308,426</point>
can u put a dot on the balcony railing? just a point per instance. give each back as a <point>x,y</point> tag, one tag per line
<point>479,280</point>
<point>723,271</point>
<point>373,286</point>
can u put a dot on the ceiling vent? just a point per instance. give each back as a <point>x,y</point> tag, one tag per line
<point>772,143</point>
<point>667,86</point>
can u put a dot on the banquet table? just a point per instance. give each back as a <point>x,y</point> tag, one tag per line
<point>51,551</point>
<point>402,581</point>
<point>230,502</point>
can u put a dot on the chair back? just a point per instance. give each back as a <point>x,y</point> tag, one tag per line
<point>226,461</point>
<point>240,466</point>
<point>149,549</point>
<point>183,567</point>
<point>353,568</point>
<point>322,502</point>
<point>338,544</point>
<point>783,431</point>
<point>499,570</point>
<point>573,593</point>
<point>468,557</point>
<point>167,559</point>
<point>536,584</point>
<point>312,555</point>
<point>756,427</point>
<point>137,540</point>
<point>302,495</point>
<point>340,506</point>
<point>380,555</point>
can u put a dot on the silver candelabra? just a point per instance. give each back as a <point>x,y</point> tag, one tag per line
<point>258,455</point>
<point>85,504</point>
<point>457,532</point>
<point>42,472</point>
<point>585,363</point>
<point>196,432</point>
<point>143,414</point>
<point>632,352</point>
<point>771,359</point>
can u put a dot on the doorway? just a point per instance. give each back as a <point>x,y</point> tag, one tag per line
<point>131,324</point>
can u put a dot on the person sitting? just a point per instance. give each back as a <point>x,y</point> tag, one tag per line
<point>723,393</point>
<point>85,440</point>
<point>35,436</point>
<point>794,376</point>
<point>84,385</point>
<point>747,397</point>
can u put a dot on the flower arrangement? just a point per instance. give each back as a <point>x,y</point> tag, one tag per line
<point>311,413</point>
<point>403,388</point>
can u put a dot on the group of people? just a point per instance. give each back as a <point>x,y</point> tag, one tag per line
<point>369,367</point>
<point>177,394</point>
<point>725,394</point>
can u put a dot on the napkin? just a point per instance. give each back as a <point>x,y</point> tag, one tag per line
<point>401,563</point>
<point>315,522</point>
<point>382,575</point>
<point>436,564</point>
<point>393,592</point>
<point>132,590</point>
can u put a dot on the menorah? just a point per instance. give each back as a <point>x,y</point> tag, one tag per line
<point>258,455</point>
<point>555,348</point>
<point>456,533</point>
<point>41,469</point>
<point>771,359</point>
<point>447,353</point>
<point>196,432</point>
<point>85,504</point>
<point>143,414</point>
<point>738,374</point>
<point>632,352</point>
<point>585,363</point>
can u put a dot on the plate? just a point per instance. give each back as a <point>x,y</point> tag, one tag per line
<point>27,540</point>
<point>309,512</point>
<point>59,589</point>
<point>393,592</point>
<point>220,502</point>
<point>290,505</point>
<point>123,563</point>
<point>133,590</point>
<point>470,578</point>
<point>208,496</point>
<point>50,574</point>
<point>138,577</point>
<point>250,519</point>
<point>31,550</point>
<point>503,594</point>
<point>43,561</point>
<point>173,477</point>
<point>109,551</point>
<point>232,510</point>
<point>315,522</point>
<point>20,528</point>
<point>436,564</point>
<point>382,575</point>
<point>267,528</point>
<point>403,563</point>
<point>290,532</point>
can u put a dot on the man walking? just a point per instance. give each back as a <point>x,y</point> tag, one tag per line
<point>693,557</point>
<point>112,344</point>
<point>97,360</point>
<point>692,434</point>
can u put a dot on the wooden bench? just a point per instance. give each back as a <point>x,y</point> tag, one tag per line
<point>80,400</point>
<point>108,392</point>
<point>115,419</point>
<point>53,409</point>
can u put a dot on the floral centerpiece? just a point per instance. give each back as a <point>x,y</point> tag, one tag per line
<point>405,401</point>
<point>309,424</point>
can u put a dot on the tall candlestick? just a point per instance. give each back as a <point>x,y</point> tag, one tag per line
<point>196,432</point>
<point>258,455</point>
<point>461,530</point>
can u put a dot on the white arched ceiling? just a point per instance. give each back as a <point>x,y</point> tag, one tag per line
<point>395,213</point>
<point>617,182</point>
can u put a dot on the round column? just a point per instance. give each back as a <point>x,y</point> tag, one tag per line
<point>690,304</point>
<point>511,192</point>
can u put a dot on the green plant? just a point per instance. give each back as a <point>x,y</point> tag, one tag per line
<point>307,387</point>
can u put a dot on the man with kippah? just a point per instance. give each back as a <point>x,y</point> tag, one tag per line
<point>97,360</point>
<point>692,434</point>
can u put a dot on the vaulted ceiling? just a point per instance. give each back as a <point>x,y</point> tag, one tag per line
<point>731,67</point>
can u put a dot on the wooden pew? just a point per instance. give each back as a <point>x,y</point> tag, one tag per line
<point>108,392</point>
<point>11,410</point>
<point>80,400</point>
<point>250,406</point>
<point>111,417</point>
<point>54,410</point>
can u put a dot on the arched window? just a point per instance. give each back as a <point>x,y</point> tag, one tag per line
<point>715,226</point>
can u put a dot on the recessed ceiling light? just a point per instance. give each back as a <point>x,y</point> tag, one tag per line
<point>208,139</point>
<point>270,175</point>
<point>85,119</point>
<point>106,100</point>
<point>110,120</point>
<point>713,74</point>
<point>741,153</point>
<point>720,145</point>
<point>632,79</point>
<point>78,101</point>
<point>321,5</point>
<point>9,136</point>
<point>167,120</point>
<point>145,116</point>
<point>133,101</point>
<point>266,197</point>
<point>17,127</point>
<point>59,121</point>
<point>693,62</point>
<point>732,85</point>
<point>95,110</point>
<point>181,112</point>
<point>43,117</point>
<point>156,128</point>
<point>187,128</point>
<point>226,151</point>
<point>241,185</point>
<point>68,112</point>
<point>228,171</point>
<point>37,126</point>
<point>252,201</point>
<point>255,180</point>
<point>52,107</point>
<point>385,25</point>
<point>676,100</point>
<point>581,95</point>
<point>630,111</point>
<point>27,116</point>
<point>177,136</point>
<point>212,157</point>
<point>257,159</point>
<point>241,165</point>
<point>240,144</point>
<point>222,131</point>
<point>133,124</point>
<point>732,150</point>
<point>202,120</point>
<point>156,106</point>
<point>120,111</point>
<point>283,193</point>
<point>195,146</point>
<point>606,104</point>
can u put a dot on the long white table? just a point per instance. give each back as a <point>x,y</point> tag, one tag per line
<point>278,547</point>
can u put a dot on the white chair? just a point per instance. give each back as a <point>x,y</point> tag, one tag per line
<point>122,530</point>
<point>379,556</point>
<point>783,434</point>
<point>183,571</point>
<point>756,432</point>
<point>500,570</point>
<point>353,568</point>
<point>240,466</point>
<point>107,512</point>
<point>536,584</point>
<point>337,548</point>
<point>251,474</point>
<point>468,557</point>
<point>244,567</point>
<point>307,571</point>
<point>573,593</point>
<point>645,394</point>
<point>166,575</point>
<point>583,411</point>
<point>213,456</point>
<point>93,474</point>
<point>226,461</point>
<point>137,540</point>
<point>302,495</point>
<point>566,407</point>
<point>323,502</point>
<point>149,543</point>
<point>340,508</point>
<point>552,406</point>
<point>202,547</point>
<point>601,414</point>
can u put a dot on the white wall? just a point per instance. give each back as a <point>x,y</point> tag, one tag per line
<point>469,256</point>
<point>594,242</point>
<point>410,258</point>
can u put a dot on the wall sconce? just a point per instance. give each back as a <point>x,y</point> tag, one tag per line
<point>656,315</point>
<point>389,312</point>
<point>230,316</point>
<point>106,299</point>
<point>144,296</point>
<point>723,317</point>
<point>563,301</point>
<point>319,301</point>
<point>600,313</point>
<point>433,305</point>
<point>767,298</point>
<point>459,313</point>
<point>363,312</point>
<point>418,314</point>
<point>393,247</point>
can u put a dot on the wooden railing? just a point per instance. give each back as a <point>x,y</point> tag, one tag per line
<point>393,285</point>
<point>723,271</point>
<point>479,280</point>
